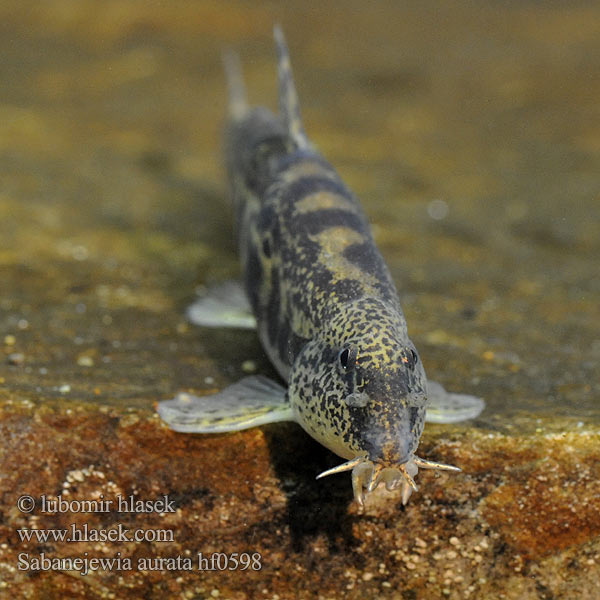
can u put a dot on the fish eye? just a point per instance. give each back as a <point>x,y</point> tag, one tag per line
<point>343,357</point>
<point>347,359</point>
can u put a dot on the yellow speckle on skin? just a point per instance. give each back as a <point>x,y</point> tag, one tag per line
<point>306,169</point>
<point>335,240</point>
<point>332,243</point>
<point>323,200</point>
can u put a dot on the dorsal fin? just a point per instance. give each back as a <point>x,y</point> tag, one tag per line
<point>289,109</point>
<point>238,105</point>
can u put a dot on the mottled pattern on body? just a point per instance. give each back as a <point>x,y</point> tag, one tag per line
<point>324,304</point>
<point>319,287</point>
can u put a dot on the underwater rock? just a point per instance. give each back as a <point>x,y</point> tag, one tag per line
<point>524,505</point>
<point>474,147</point>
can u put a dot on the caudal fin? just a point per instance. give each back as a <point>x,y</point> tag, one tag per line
<point>289,109</point>
<point>238,104</point>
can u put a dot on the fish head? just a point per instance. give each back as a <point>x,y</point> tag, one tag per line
<point>383,388</point>
<point>361,390</point>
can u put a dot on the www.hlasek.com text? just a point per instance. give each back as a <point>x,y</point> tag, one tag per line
<point>85,533</point>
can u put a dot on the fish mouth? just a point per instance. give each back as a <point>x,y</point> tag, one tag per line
<point>367,475</point>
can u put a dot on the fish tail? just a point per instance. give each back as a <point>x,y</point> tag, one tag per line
<point>238,104</point>
<point>289,108</point>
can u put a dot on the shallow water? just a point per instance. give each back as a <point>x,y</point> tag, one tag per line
<point>471,133</point>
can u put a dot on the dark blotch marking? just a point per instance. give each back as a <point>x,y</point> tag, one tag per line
<point>317,221</point>
<point>289,344</point>
<point>266,247</point>
<point>367,258</point>
<point>290,193</point>
<point>254,145</point>
<point>267,219</point>
<point>254,276</point>
<point>273,307</point>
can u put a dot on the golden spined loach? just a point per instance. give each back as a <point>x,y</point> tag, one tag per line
<point>324,304</point>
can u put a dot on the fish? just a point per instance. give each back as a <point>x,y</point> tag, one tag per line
<point>322,299</point>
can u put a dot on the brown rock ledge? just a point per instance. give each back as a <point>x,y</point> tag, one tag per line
<point>521,521</point>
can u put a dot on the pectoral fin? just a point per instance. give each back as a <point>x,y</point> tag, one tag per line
<point>250,402</point>
<point>446,407</point>
<point>224,305</point>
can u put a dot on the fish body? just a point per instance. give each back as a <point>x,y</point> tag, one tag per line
<point>326,308</point>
